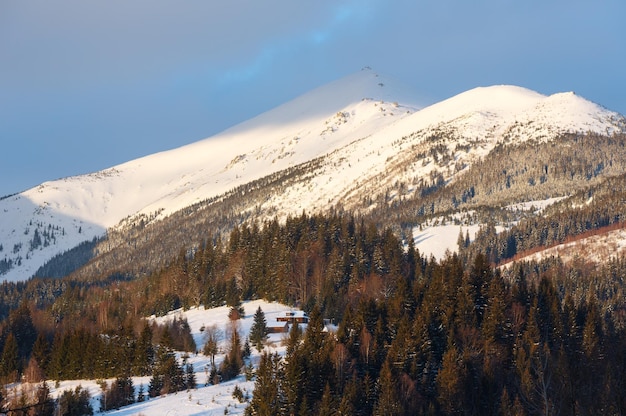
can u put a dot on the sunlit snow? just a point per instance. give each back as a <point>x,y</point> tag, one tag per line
<point>362,123</point>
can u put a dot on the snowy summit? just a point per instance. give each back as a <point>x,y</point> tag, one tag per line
<point>362,126</point>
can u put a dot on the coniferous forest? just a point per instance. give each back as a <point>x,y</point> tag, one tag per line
<point>415,335</point>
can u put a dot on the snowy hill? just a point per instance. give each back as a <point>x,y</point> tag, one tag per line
<point>362,132</point>
<point>206,399</point>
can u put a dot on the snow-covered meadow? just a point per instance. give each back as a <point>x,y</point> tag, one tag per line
<point>205,399</point>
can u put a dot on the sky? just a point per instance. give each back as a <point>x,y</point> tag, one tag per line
<point>85,85</point>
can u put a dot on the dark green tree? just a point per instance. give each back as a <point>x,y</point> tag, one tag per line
<point>167,376</point>
<point>144,352</point>
<point>388,398</point>
<point>120,394</point>
<point>9,361</point>
<point>75,403</point>
<point>41,352</point>
<point>233,299</point>
<point>268,399</point>
<point>328,404</point>
<point>21,325</point>
<point>190,376</point>
<point>44,404</point>
<point>233,361</point>
<point>258,331</point>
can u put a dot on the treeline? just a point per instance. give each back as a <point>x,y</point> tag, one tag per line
<point>510,173</point>
<point>590,209</point>
<point>453,340</point>
<point>84,352</point>
<point>532,171</point>
<point>141,246</point>
<point>71,260</point>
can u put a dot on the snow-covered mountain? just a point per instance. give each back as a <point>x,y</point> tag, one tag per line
<point>364,132</point>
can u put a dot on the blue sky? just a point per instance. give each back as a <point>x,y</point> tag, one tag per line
<point>85,85</point>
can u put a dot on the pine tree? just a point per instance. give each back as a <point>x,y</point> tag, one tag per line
<point>41,352</point>
<point>479,278</point>
<point>121,393</point>
<point>44,402</point>
<point>75,403</point>
<point>233,362</point>
<point>388,399</point>
<point>144,352</point>
<point>450,381</point>
<point>258,331</point>
<point>21,325</point>
<point>316,350</point>
<point>268,394</point>
<point>141,394</point>
<point>295,369</point>
<point>328,405</point>
<point>348,399</point>
<point>460,241</point>
<point>295,337</point>
<point>167,376</point>
<point>246,352</point>
<point>9,361</point>
<point>233,299</point>
<point>190,377</point>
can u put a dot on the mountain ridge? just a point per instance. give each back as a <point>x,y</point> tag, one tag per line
<point>370,140</point>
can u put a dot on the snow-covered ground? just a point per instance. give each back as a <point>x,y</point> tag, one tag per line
<point>596,249</point>
<point>205,400</point>
<point>534,206</point>
<point>438,240</point>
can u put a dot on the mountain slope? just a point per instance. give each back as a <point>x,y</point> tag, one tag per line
<point>343,144</point>
<point>80,208</point>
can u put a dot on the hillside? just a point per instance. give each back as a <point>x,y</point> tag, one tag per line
<point>203,398</point>
<point>354,144</point>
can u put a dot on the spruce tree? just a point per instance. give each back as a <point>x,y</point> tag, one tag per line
<point>258,331</point>
<point>41,352</point>
<point>450,381</point>
<point>144,352</point>
<point>328,404</point>
<point>167,376</point>
<point>21,325</point>
<point>388,399</point>
<point>267,399</point>
<point>190,376</point>
<point>233,299</point>
<point>316,349</point>
<point>141,394</point>
<point>121,393</point>
<point>44,402</point>
<point>9,361</point>
<point>233,362</point>
<point>75,403</point>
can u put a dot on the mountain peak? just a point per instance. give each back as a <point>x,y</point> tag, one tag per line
<point>357,130</point>
<point>327,99</point>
